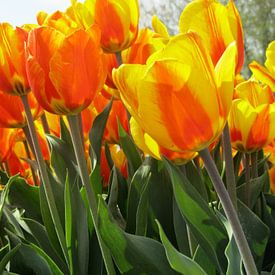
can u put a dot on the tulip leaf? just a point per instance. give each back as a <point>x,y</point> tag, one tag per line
<point>256,185</point>
<point>132,254</point>
<point>201,257</point>
<point>203,222</point>
<point>7,257</point>
<point>139,179</point>
<point>130,150</point>
<point>178,261</point>
<point>24,196</point>
<point>256,232</point>
<point>97,131</point>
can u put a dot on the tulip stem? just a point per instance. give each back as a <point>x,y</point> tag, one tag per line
<point>254,160</point>
<point>28,138</point>
<point>230,213</point>
<point>28,153</point>
<point>45,178</point>
<point>119,58</point>
<point>229,166</point>
<point>247,179</point>
<point>45,124</point>
<point>83,170</point>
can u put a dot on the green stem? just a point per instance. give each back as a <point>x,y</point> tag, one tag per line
<point>247,179</point>
<point>83,170</point>
<point>28,153</point>
<point>45,124</point>
<point>45,179</point>
<point>119,58</point>
<point>254,160</point>
<point>230,213</point>
<point>28,138</point>
<point>229,166</point>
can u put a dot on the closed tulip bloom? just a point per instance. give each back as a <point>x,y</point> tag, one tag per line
<point>118,21</point>
<point>178,97</point>
<point>13,77</point>
<point>65,72</point>
<point>7,139</point>
<point>252,117</point>
<point>218,26</point>
<point>12,111</point>
<point>266,74</point>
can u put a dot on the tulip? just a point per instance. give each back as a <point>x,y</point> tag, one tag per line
<point>65,72</point>
<point>252,117</point>
<point>187,99</point>
<point>118,21</point>
<point>12,111</point>
<point>7,138</point>
<point>218,26</point>
<point>150,147</point>
<point>266,74</point>
<point>13,77</point>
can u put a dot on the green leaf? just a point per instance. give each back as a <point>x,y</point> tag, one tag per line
<point>137,183</point>
<point>201,257</point>
<point>130,150</point>
<point>256,232</point>
<point>24,196</point>
<point>256,185</point>
<point>6,259</point>
<point>178,261</point>
<point>142,210</point>
<point>203,222</point>
<point>97,131</point>
<point>132,254</point>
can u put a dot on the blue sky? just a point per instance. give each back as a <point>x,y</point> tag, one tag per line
<point>19,12</point>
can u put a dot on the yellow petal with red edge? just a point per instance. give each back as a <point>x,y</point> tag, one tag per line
<point>77,71</point>
<point>237,31</point>
<point>159,27</point>
<point>167,115</point>
<point>127,79</point>
<point>254,92</point>
<point>225,75</point>
<point>262,74</point>
<point>241,119</point>
<point>210,20</point>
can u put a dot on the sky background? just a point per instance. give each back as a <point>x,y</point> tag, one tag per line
<point>19,12</point>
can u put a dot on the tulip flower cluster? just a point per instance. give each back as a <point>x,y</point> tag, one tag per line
<point>86,96</point>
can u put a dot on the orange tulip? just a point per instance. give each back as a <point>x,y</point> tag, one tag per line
<point>178,97</point>
<point>217,25</point>
<point>13,77</point>
<point>118,21</point>
<point>266,74</point>
<point>12,110</point>
<point>252,117</point>
<point>65,72</point>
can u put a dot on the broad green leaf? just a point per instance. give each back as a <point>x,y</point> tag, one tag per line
<point>203,260</point>
<point>97,131</point>
<point>256,186</point>
<point>24,196</point>
<point>179,262</point>
<point>130,150</point>
<point>5,260</point>
<point>203,222</point>
<point>256,232</point>
<point>132,254</point>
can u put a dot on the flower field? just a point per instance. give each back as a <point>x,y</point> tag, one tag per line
<point>127,150</point>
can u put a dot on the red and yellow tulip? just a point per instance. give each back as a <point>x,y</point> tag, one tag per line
<point>217,25</point>
<point>178,97</point>
<point>65,72</point>
<point>252,117</point>
<point>266,74</point>
<point>13,77</point>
